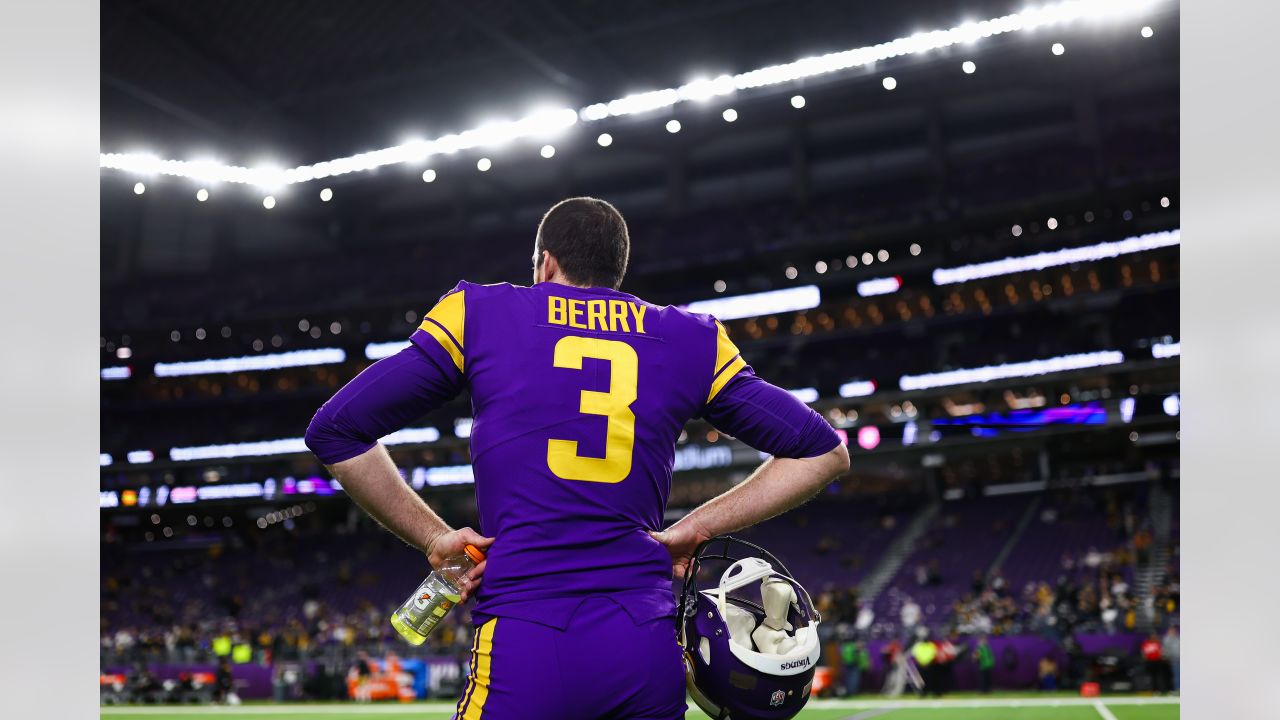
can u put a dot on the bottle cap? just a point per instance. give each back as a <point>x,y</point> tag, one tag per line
<point>475,553</point>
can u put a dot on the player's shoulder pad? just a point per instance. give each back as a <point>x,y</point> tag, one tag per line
<point>728,358</point>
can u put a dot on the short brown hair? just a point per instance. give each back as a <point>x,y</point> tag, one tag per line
<point>588,238</point>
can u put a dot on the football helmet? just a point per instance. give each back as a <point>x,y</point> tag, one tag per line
<point>746,660</point>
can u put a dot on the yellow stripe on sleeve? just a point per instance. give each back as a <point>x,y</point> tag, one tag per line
<point>445,323</point>
<point>728,361</point>
<point>484,658</point>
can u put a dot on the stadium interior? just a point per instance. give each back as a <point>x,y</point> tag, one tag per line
<point>966,258</point>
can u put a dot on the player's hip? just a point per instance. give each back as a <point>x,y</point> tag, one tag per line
<point>602,664</point>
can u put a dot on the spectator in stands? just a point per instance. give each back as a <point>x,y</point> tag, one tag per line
<point>866,616</point>
<point>986,664</point>
<point>910,614</point>
<point>362,671</point>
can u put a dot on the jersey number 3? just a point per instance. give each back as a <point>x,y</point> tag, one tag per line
<point>624,366</point>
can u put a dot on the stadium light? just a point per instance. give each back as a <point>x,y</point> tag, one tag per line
<point>326,195</point>
<point>1162,350</point>
<point>729,115</point>
<point>139,188</point>
<point>118,372</point>
<point>483,164</point>
<point>857,388</point>
<point>250,363</point>
<point>673,126</point>
<point>553,120</point>
<point>462,427</point>
<point>548,151</point>
<point>138,457</point>
<point>879,286</point>
<point>1066,256</point>
<point>969,67</point>
<point>202,195</point>
<point>286,446</point>
<point>1147,31</point>
<point>377,351</point>
<point>797,101</point>
<point>756,304</point>
<point>604,140</point>
<point>105,459</point>
<point>805,395</point>
<point>269,202</point>
<point>1030,368</point>
<point>889,83</point>
<point>1058,49</point>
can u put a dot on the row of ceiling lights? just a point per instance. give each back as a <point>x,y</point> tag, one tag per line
<point>484,164</point>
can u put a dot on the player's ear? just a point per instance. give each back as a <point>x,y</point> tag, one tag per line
<point>550,267</point>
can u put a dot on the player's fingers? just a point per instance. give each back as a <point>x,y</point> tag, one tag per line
<point>472,537</point>
<point>476,572</point>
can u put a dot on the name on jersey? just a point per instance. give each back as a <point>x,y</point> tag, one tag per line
<point>603,315</point>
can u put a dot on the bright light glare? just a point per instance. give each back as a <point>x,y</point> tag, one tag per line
<point>139,188</point>
<point>605,140</point>
<point>428,175</point>
<point>553,120</point>
<point>548,151</point>
<point>968,67</point>
<point>119,372</point>
<point>729,115</point>
<point>202,195</point>
<point>250,363</point>
<point>805,395</point>
<point>326,195</point>
<point>1166,350</point>
<point>879,286</point>
<point>1029,368</point>
<point>756,304</point>
<point>797,101</point>
<point>1056,258</point>
<point>889,83</point>
<point>673,126</point>
<point>1147,31</point>
<point>269,202</point>
<point>1058,49</point>
<point>857,388</point>
<point>377,351</point>
<point>483,164</point>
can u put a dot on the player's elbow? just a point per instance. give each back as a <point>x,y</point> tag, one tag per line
<point>319,432</point>
<point>838,460</point>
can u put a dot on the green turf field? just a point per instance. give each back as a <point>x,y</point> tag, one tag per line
<point>1006,707</point>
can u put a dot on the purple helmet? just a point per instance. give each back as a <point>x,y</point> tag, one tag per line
<point>746,660</point>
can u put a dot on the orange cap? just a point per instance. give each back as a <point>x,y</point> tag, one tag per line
<point>475,553</point>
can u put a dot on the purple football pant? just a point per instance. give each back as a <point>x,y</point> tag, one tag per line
<point>602,666</point>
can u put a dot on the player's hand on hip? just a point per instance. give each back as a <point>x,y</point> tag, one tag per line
<point>453,542</point>
<point>681,540</point>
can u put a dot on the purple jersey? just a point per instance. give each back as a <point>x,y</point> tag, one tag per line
<point>579,396</point>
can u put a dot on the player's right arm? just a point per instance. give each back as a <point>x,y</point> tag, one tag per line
<point>807,454</point>
<point>383,399</point>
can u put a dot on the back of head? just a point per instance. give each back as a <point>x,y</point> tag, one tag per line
<point>588,238</point>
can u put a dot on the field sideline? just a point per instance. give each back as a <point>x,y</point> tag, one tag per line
<point>971,708</point>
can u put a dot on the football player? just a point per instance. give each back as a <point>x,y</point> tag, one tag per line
<point>579,394</point>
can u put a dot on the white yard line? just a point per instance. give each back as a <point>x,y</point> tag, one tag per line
<point>420,707</point>
<point>1103,711</point>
